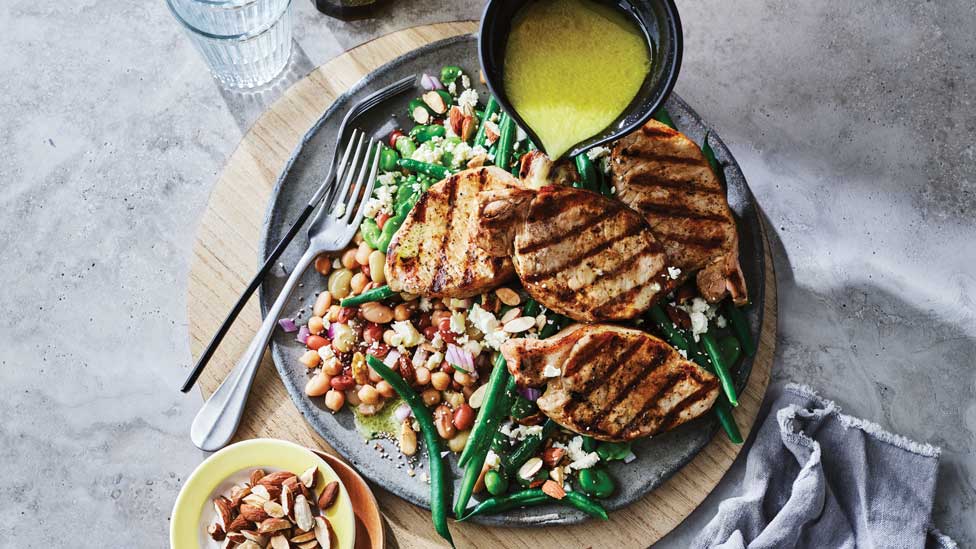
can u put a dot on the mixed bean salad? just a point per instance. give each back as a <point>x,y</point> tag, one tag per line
<point>437,361</point>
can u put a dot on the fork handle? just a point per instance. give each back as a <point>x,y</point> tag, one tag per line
<point>216,422</point>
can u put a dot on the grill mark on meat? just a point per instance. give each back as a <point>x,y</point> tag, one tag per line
<point>634,228</point>
<point>672,379</point>
<point>552,240</point>
<point>677,211</point>
<point>547,209</point>
<point>420,208</point>
<point>668,420</point>
<point>591,351</point>
<point>441,276</point>
<point>655,179</point>
<point>691,240</point>
<point>655,131</point>
<point>659,359</point>
<point>567,293</point>
<point>652,364</point>
<point>468,276</point>
<point>615,364</point>
<point>657,157</point>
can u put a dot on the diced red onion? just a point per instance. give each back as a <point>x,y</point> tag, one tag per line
<point>630,457</point>
<point>530,393</point>
<point>287,324</point>
<point>330,331</point>
<point>402,412</point>
<point>420,357</point>
<point>391,358</point>
<point>429,82</point>
<point>458,357</point>
<point>303,334</point>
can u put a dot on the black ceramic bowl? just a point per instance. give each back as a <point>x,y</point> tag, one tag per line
<point>659,21</point>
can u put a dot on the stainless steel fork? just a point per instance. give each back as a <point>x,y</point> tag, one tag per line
<point>332,230</point>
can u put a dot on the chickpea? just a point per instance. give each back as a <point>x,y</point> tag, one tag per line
<point>377,266</point>
<point>369,395</point>
<point>323,264</point>
<point>376,312</point>
<point>431,397</point>
<point>334,400</point>
<point>332,367</point>
<point>352,397</point>
<point>374,376</point>
<point>339,283</point>
<point>422,375</point>
<point>315,325</point>
<point>333,314</point>
<point>322,303</point>
<point>459,441</point>
<point>318,385</point>
<point>358,283</point>
<point>404,311</point>
<point>388,337</point>
<point>362,253</point>
<point>440,380</point>
<point>349,259</point>
<point>385,389</point>
<point>310,359</point>
<point>463,378</point>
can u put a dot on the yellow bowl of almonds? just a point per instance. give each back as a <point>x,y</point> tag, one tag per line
<point>263,493</point>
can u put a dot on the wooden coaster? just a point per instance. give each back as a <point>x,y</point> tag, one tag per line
<point>226,256</point>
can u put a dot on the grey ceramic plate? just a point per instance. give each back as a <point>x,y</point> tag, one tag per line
<point>658,458</point>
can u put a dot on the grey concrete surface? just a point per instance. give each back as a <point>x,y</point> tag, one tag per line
<point>853,121</point>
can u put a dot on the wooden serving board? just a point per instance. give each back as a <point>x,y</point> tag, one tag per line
<point>226,256</point>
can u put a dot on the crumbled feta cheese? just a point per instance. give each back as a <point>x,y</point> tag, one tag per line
<point>382,202</point>
<point>326,353</point>
<point>468,98</point>
<point>674,273</point>
<point>540,321</point>
<point>457,322</point>
<point>434,360</point>
<point>494,118</point>
<point>488,325</point>
<point>425,304</point>
<point>597,153</point>
<point>340,209</point>
<point>492,460</point>
<point>550,371</point>
<point>580,459</point>
<point>428,152</point>
<point>721,322</point>
<point>452,88</point>
<point>700,312</point>
<point>465,81</point>
<point>471,346</point>
<point>419,357</point>
<point>437,342</point>
<point>521,432</point>
<point>683,353</point>
<point>409,336</point>
<point>586,462</point>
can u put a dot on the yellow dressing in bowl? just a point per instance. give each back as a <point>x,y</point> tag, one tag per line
<point>571,67</point>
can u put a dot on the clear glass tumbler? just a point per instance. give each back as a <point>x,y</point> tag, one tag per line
<point>246,42</point>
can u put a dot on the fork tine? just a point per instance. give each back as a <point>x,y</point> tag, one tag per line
<point>357,200</point>
<point>368,192</point>
<point>340,196</point>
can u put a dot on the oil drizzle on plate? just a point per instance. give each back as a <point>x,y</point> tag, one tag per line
<point>571,67</point>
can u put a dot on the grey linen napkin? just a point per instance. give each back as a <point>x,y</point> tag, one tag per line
<point>816,478</point>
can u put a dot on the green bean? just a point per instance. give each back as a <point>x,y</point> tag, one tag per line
<point>589,444</point>
<point>531,308</point>
<point>529,447</point>
<point>390,228</point>
<point>506,137</point>
<point>422,133</point>
<point>376,294</point>
<point>439,484</point>
<point>721,368</point>
<point>524,498</point>
<point>610,451</point>
<point>741,328</point>
<point>712,161</point>
<point>730,349</point>
<point>662,116</point>
<point>723,410</point>
<point>449,74</point>
<point>405,146</point>
<point>371,232</point>
<point>585,504</point>
<point>433,170</point>
<point>473,455</point>
<point>388,160</point>
<point>671,332</point>
<point>490,109</point>
<point>587,172</point>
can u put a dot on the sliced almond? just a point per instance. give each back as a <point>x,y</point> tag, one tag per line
<point>275,479</point>
<point>478,396</point>
<point>553,489</point>
<point>519,324</point>
<point>254,499</point>
<point>303,514</point>
<point>238,493</point>
<point>253,513</point>
<point>234,538</point>
<point>302,538</point>
<point>307,478</point>
<point>260,491</point>
<point>274,509</point>
<point>224,510</point>
<point>323,532</point>
<point>420,115</point>
<point>216,532</point>
<point>491,132</point>
<point>256,537</point>
<point>530,468</point>
<point>287,500</point>
<point>329,495</point>
<point>508,296</point>
<point>309,545</point>
<point>238,524</point>
<point>279,542</point>
<point>477,161</point>
<point>257,475</point>
<point>552,456</point>
<point>558,475</point>
<point>270,525</point>
<point>248,544</point>
<point>510,315</point>
<point>436,103</point>
<point>479,484</point>
<point>455,119</point>
<point>469,126</point>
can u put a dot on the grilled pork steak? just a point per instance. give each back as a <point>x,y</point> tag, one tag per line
<point>433,253</point>
<point>577,252</point>
<point>611,383</point>
<point>664,175</point>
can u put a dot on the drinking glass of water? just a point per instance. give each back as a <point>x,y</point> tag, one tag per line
<point>246,42</point>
